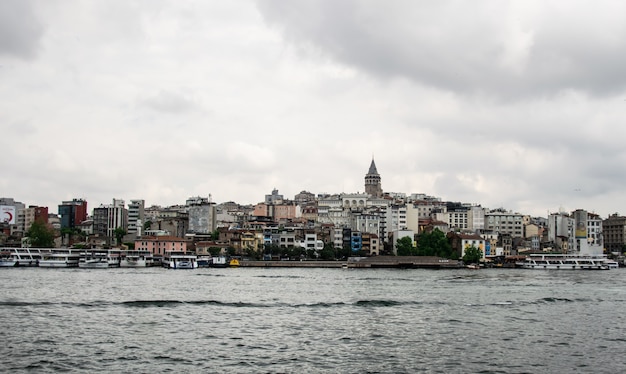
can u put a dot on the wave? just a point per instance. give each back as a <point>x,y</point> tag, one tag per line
<point>162,303</point>
<point>366,303</point>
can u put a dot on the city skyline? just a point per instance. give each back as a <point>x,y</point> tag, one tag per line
<point>503,104</point>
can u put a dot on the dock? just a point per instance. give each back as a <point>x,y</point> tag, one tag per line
<point>399,262</point>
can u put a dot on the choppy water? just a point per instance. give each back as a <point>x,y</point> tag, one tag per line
<point>312,320</point>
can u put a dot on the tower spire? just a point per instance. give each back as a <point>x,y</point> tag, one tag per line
<point>372,181</point>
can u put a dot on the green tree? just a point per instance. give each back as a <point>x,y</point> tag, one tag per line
<point>434,243</point>
<point>40,235</point>
<point>231,251</point>
<point>344,252</point>
<point>147,225</point>
<point>472,255</point>
<point>119,234</point>
<point>215,251</point>
<point>328,253</point>
<point>404,246</point>
<point>310,253</point>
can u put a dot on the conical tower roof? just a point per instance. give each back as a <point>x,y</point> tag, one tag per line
<point>373,170</point>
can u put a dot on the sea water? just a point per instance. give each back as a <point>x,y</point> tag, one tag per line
<point>297,320</point>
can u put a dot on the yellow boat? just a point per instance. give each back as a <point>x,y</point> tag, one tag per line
<point>234,263</point>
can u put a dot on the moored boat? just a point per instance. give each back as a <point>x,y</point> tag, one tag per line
<point>136,259</point>
<point>59,258</point>
<point>204,261</point>
<point>565,262</point>
<point>99,259</point>
<point>180,260</point>
<point>234,263</point>
<point>20,257</point>
<point>219,262</point>
<point>6,260</point>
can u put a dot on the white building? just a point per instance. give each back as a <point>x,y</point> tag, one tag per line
<point>136,217</point>
<point>202,216</point>
<point>503,222</point>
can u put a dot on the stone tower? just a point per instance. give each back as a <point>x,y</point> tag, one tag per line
<point>372,181</point>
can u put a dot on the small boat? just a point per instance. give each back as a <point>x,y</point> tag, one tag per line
<point>473,266</point>
<point>180,260</point>
<point>612,264</point>
<point>219,262</point>
<point>6,260</point>
<point>204,261</point>
<point>234,263</point>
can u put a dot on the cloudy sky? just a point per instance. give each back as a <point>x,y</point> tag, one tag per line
<point>514,104</point>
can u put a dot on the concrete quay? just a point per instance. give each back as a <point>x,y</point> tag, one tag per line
<point>402,262</point>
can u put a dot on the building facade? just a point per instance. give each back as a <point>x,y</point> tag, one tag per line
<point>72,212</point>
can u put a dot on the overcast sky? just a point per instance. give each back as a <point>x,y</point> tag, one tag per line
<point>514,104</point>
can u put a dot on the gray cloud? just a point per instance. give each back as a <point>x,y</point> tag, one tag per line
<point>516,104</point>
<point>169,102</point>
<point>20,29</point>
<point>495,48</point>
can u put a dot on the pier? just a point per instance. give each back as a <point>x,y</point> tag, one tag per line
<point>402,262</point>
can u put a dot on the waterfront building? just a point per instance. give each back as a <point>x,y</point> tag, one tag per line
<point>55,221</point>
<point>614,233</point>
<point>421,209</point>
<point>503,222</point>
<point>476,219</point>
<point>72,212</point>
<point>337,238</point>
<point>461,242</point>
<point>356,242</point>
<point>136,217</point>
<point>371,244</point>
<point>16,209</point>
<point>312,243</point>
<point>366,223</point>
<point>159,245</point>
<point>202,216</point>
<point>561,232</point>
<point>491,243</point>
<point>395,218</point>
<point>108,218</point>
<point>34,214</point>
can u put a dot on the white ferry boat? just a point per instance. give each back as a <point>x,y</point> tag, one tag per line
<point>20,257</point>
<point>565,262</point>
<point>136,259</point>
<point>219,262</point>
<point>204,261</point>
<point>59,258</point>
<point>180,260</point>
<point>99,259</point>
